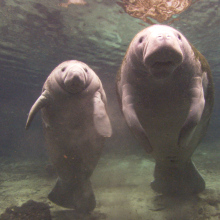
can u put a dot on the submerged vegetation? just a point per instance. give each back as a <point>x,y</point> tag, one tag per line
<point>160,10</point>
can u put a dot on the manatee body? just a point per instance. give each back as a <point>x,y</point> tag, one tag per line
<point>73,107</point>
<point>166,93</point>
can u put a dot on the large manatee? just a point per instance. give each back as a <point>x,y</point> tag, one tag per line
<point>73,106</point>
<point>166,92</point>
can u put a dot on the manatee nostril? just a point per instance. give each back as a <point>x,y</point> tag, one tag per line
<point>164,36</point>
<point>161,37</point>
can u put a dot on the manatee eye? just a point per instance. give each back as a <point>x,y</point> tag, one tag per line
<point>141,40</point>
<point>63,69</point>
<point>86,70</point>
<point>179,36</point>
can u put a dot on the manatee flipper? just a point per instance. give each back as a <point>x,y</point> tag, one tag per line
<point>195,112</point>
<point>78,196</point>
<point>100,117</point>
<point>41,102</point>
<point>132,118</point>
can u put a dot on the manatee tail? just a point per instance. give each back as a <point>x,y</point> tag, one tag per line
<point>77,196</point>
<point>41,102</point>
<point>177,180</point>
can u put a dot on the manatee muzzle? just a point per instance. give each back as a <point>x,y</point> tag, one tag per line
<point>75,80</point>
<point>162,56</point>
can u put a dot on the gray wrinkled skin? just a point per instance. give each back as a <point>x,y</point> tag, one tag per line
<point>73,107</point>
<point>166,93</point>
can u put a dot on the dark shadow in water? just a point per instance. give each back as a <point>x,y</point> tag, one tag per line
<point>201,206</point>
<point>165,202</point>
<point>73,215</point>
<point>182,208</point>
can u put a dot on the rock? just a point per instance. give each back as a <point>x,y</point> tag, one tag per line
<point>30,210</point>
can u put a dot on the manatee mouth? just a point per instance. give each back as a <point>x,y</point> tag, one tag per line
<point>161,69</point>
<point>165,64</point>
<point>162,62</point>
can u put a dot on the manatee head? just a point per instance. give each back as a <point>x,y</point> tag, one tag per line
<point>73,76</point>
<point>159,49</point>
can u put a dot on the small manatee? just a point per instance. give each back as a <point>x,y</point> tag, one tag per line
<point>76,123</point>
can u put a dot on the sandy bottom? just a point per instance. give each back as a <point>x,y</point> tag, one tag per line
<point>122,188</point>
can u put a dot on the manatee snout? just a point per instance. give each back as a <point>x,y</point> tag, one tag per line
<point>75,80</point>
<point>162,54</point>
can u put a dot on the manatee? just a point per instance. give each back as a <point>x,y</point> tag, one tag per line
<point>76,124</point>
<point>166,93</point>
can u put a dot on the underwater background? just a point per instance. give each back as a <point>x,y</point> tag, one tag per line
<point>37,35</point>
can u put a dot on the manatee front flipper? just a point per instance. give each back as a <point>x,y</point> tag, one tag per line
<point>132,118</point>
<point>195,112</point>
<point>100,117</point>
<point>41,102</point>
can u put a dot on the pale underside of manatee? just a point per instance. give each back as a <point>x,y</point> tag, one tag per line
<point>166,94</point>
<point>76,123</point>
